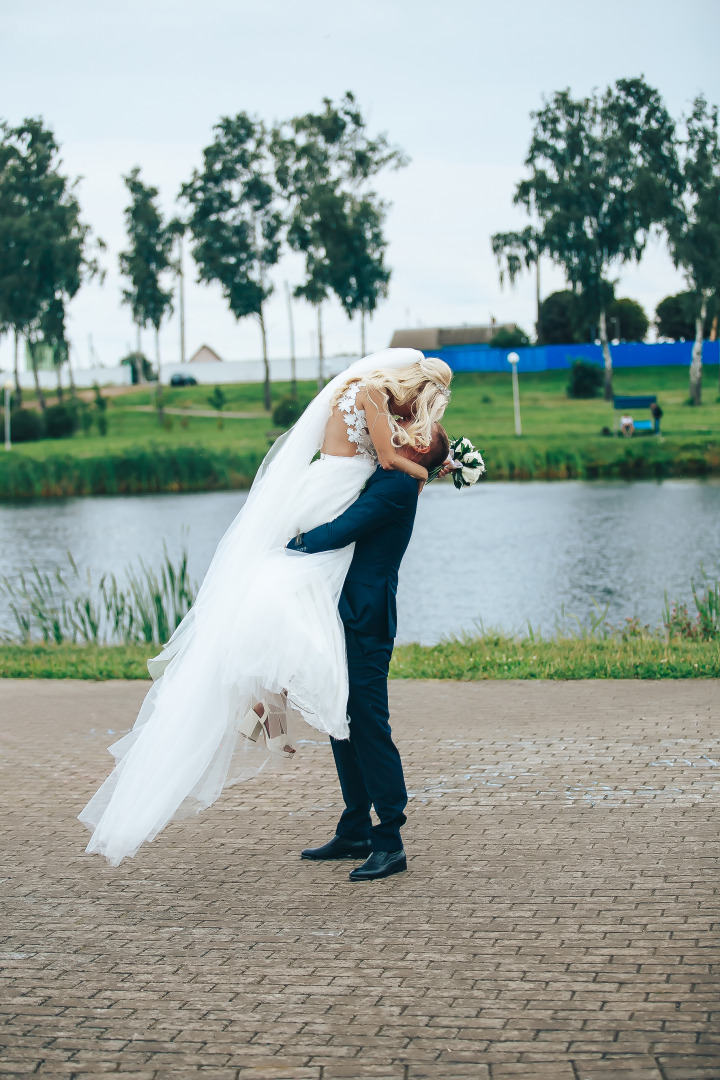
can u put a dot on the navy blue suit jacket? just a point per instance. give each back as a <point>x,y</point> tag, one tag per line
<point>380,523</point>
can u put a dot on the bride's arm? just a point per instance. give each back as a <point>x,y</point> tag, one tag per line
<point>381,432</point>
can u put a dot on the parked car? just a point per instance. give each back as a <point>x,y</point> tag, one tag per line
<point>183,380</point>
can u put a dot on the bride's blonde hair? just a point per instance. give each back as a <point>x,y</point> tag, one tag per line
<point>423,384</point>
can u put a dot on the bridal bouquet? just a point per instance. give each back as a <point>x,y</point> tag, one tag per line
<point>468,465</point>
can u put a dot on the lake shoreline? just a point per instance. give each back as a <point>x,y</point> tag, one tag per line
<point>163,470</point>
<point>469,660</point>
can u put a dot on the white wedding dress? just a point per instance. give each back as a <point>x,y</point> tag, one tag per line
<point>265,624</point>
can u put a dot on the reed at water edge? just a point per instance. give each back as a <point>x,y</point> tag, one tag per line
<point>158,469</point>
<point>68,625</point>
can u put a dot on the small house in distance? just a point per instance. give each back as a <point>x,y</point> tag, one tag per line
<point>205,355</point>
<point>428,339</point>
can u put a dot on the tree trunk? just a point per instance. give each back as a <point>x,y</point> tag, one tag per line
<point>267,398</point>
<point>181,298</point>
<point>321,354</point>
<point>137,362</point>
<point>293,372</point>
<point>18,387</point>
<point>33,361</point>
<point>607,355</point>
<point>362,331</point>
<point>159,391</point>
<point>58,370</point>
<point>71,380</point>
<point>538,322</point>
<point>697,352</point>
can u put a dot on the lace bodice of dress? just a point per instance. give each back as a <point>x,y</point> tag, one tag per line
<point>356,421</point>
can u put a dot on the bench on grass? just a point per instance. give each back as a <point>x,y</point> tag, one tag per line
<point>630,404</point>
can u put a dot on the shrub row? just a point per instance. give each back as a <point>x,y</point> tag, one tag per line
<point>58,421</point>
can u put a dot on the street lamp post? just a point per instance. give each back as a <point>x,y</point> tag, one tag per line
<point>8,389</point>
<point>513,361</point>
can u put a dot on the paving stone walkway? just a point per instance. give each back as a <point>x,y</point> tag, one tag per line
<point>559,918</point>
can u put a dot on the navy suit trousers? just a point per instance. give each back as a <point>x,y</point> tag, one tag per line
<point>368,763</point>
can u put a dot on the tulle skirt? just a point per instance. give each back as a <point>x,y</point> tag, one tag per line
<point>268,630</point>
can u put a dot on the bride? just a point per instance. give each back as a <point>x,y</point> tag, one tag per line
<point>264,637</point>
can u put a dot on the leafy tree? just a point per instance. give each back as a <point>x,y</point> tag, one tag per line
<point>324,163</point>
<point>694,223</point>
<point>140,366</point>
<point>517,251</point>
<point>510,339</point>
<point>675,316</point>
<point>218,400</point>
<point>145,265</point>
<point>235,220</point>
<point>359,276</point>
<point>566,319</point>
<point>52,330</point>
<point>44,246</point>
<point>559,316</point>
<point>631,321</point>
<point>602,172</point>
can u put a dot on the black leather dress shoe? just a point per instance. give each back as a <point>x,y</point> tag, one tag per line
<point>339,848</point>
<point>380,864</point>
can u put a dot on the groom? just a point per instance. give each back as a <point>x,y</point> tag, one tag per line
<point>380,523</point>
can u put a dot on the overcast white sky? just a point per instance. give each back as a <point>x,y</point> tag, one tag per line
<point>452,82</point>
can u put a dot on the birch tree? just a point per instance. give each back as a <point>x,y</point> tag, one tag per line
<point>324,164</point>
<point>236,220</point>
<point>603,170</point>
<point>694,225</point>
<point>145,264</point>
<point>45,252</point>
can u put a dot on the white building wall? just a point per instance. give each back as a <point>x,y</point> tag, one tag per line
<point>206,372</point>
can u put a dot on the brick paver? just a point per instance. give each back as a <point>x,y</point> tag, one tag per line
<point>559,918</point>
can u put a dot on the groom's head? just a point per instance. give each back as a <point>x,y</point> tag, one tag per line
<point>431,456</point>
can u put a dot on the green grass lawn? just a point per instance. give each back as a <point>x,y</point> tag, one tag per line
<point>487,657</point>
<point>561,437</point>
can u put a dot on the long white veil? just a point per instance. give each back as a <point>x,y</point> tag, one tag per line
<point>178,756</point>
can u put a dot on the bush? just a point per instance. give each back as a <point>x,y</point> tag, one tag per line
<point>286,412</point>
<point>510,339</point>
<point>85,417</point>
<point>218,399</point>
<point>61,421</point>
<point>586,380</point>
<point>26,425</point>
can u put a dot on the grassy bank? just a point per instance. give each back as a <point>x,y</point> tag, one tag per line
<point>136,470</point>
<point>561,437</point>
<point>488,657</point>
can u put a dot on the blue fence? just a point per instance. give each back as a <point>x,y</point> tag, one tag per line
<point>559,357</point>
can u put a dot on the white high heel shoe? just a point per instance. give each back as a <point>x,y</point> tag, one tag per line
<point>253,726</point>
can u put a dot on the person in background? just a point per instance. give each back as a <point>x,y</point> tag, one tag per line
<point>627,425</point>
<point>656,413</point>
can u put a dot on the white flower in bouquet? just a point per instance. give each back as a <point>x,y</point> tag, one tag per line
<point>469,463</point>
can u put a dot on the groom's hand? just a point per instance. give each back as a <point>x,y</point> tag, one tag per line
<point>297,543</point>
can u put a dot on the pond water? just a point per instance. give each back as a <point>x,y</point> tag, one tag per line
<point>503,554</point>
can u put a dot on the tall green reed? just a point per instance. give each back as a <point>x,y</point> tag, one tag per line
<point>69,606</point>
